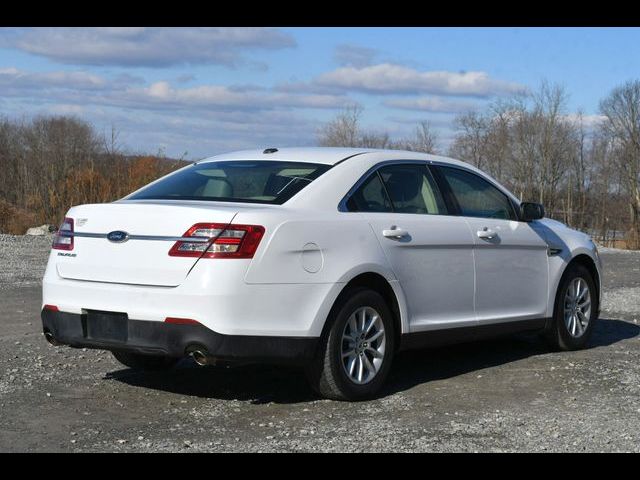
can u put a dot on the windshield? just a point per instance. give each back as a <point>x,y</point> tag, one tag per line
<point>255,181</point>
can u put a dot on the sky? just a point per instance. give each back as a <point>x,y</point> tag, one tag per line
<point>196,92</point>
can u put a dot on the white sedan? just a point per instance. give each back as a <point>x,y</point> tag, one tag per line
<point>331,259</point>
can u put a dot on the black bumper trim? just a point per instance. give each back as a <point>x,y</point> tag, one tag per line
<point>173,340</point>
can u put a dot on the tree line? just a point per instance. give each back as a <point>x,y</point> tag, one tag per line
<point>51,163</point>
<point>585,171</point>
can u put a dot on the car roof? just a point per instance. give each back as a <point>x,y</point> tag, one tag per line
<point>324,155</point>
<point>331,156</point>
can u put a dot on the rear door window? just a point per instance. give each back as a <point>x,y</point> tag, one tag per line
<point>370,197</point>
<point>398,188</point>
<point>411,189</point>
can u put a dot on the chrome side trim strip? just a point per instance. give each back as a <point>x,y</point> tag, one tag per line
<point>139,237</point>
<point>81,234</point>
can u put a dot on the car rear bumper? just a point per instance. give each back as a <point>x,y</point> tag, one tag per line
<point>159,338</point>
<point>214,294</point>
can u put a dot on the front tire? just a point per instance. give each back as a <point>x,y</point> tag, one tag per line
<point>139,361</point>
<point>575,311</point>
<point>355,353</point>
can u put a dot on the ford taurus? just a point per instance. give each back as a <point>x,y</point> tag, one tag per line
<point>330,259</point>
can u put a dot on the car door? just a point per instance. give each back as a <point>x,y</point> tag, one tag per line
<point>429,251</point>
<point>510,257</point>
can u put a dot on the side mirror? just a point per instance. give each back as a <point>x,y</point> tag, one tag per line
<point>531,211</point>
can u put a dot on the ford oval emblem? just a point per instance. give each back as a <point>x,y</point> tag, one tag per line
<point>117,236</point>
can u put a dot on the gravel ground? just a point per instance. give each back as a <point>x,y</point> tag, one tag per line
<point>503,395</point>
<point>23,259</point>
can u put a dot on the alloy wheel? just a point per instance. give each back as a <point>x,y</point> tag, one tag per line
<point>363,345</point>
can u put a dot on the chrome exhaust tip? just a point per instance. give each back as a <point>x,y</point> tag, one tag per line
<point>200,357</point>
<point>51,339</point>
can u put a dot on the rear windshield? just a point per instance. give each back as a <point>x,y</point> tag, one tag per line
<point>235,181</point>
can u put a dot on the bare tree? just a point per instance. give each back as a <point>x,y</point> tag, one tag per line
<point>471,141</point>
<point>344,130</point>
<point>553,138</point>
<point>586,175</point>
<point>373,140</point>
<point>111,143</point>
<point>50,163</point>
<point>425,140</point>
<point>622,111</point>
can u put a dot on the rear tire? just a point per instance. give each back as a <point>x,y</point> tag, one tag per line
<point>575,311</point>
<point>139,361</point>
<point>353,359</point>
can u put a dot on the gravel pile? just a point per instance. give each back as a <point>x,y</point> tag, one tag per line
<point>23,259</point>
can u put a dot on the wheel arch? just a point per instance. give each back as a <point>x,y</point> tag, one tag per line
<point>390,291</point>
<point>588,262</point>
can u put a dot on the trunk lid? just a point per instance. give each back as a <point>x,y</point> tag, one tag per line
<point>135,261</point>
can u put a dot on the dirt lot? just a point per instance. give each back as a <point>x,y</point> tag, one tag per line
<point>506,395</point>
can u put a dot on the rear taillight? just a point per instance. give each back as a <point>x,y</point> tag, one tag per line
<point>219,240</point>
<point>181,321</point>
<point>64,236</point>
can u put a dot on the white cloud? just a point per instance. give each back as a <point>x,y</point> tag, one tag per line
<point>430,104</point>
<point>354,55</point>
<point>589,121</point>
<point>14,78</point>
<point>146,46</point>
<point>204,132</point>
<point>123,91</point>
<point>199,132</point>
<point>66,109</point>
<point>441,122</point>
<point>219,96</point>
<point>209,118</point>
<point>387,78</point>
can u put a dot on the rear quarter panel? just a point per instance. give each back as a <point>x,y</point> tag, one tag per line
<point>317,248</point>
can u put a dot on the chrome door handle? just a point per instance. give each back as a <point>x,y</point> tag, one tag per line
<point>486,233</point>
<point>395,232</point>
